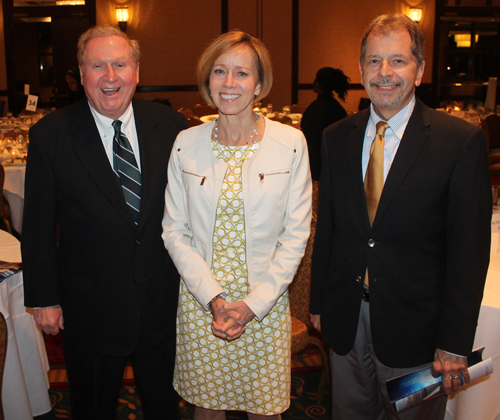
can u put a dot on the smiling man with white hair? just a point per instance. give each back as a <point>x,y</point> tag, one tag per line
<point>95,267</point>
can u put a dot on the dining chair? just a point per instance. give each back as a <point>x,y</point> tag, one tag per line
<point>283,120</point>
<point>4,204</point>
<point>3,352</point>
<point>298,108</point>
<point>299,294</point>
<point>491,127</point>
<point>192,121</point>
<point>188,113</point>
<point>15,133</point>
<point>201,110</point>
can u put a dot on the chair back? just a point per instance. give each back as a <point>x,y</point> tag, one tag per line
<point>300,289</point>
<point>3,352</point>
<point>201,110</point>
<point>492,130</point>
<point>4,204</point>
<point>298,108</point>
<point>3,209</point>
<point>283,120</point>
<point>188,113</point>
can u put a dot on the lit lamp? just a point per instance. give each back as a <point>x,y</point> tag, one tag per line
<point>415,14</point>
<point>122,17</point>
<point>464,40</point>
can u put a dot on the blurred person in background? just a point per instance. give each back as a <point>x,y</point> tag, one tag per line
<point>323,111</point>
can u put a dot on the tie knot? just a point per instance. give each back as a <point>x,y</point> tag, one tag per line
<point>117,125</point>
<point>381,127</point>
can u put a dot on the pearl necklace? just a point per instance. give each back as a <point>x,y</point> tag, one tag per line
<point>251,137</point>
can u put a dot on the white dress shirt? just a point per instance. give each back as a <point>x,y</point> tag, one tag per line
<point>107,132</point>
<point>392,137</point>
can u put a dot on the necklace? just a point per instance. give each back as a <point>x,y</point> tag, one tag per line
<point>251,137</point>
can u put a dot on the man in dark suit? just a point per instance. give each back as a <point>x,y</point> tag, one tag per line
<point>105,279</point>
<point>399,284</point>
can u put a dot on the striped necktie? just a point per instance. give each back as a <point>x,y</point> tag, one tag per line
<point>374,177</point>
<point>127,171</point>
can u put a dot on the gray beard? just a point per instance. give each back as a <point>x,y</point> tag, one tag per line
<point>383,104</point>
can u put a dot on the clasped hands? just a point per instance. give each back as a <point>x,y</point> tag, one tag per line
<point>230,318</point>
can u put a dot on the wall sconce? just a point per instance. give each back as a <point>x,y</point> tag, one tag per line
<point>415,14</point>
<point>122,17</point>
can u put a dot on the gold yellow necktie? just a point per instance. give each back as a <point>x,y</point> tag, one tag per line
<point>374,177</point>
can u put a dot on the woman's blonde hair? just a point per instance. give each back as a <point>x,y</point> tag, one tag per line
<point>220,46</point>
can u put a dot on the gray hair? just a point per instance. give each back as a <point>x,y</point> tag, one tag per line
<point>102,31</point>
<point>387,24</point>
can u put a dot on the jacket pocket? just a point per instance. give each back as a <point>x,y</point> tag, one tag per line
<point>264,175</point>
<point>76,282</point>
<point>424,289</point>
<point>202,178</point>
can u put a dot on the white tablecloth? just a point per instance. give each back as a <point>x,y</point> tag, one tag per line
<point>13,191</point>
<point>25,382</point>
<point>481,400</point>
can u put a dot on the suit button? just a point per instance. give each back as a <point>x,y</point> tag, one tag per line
<point>137,242</point>
<point>136,280</point>
<point>371,243</point>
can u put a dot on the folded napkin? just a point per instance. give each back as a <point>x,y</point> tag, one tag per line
<point>8,269</point>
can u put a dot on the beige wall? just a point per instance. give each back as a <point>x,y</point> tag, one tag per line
<point>330,33</point>
<point>174,33</point>
<point>3,73</point>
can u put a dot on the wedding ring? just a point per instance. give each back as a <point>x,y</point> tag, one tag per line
<point>455,377</point>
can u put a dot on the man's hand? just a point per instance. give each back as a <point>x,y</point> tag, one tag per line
<point>50,319</point>
<point>449,365</point>
<point>316,321</point>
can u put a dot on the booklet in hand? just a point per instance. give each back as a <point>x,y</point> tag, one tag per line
<point>416,387</point>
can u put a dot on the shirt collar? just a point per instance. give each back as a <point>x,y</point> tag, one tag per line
<point>105,123</point>
<point>397,123</point>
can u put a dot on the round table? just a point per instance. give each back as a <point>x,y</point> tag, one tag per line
<point>13,191</point>
<point>25,384</point>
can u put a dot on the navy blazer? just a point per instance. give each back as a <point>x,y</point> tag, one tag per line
<point>109,275</point>
<point>428,249</point>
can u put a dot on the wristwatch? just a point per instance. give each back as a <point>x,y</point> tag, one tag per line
<point>219,296</point>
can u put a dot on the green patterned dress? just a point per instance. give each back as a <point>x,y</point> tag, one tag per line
<point>251,373</point>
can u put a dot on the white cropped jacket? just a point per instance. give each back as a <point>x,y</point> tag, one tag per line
<point>277,201</point>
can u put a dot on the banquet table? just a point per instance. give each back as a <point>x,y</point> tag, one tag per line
<point>481,399</point>
<point>13,191</point>
<point>25,381</point>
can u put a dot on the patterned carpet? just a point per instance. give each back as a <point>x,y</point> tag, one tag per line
<point>303,402</point>
<point>306,371</point>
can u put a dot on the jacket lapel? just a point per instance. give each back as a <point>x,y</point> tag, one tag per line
<point>149,145</point>
<point>88,146</point>
<point>415,136</point>
<point>356,140</point>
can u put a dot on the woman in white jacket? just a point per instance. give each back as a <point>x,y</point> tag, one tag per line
<point>236,224</point>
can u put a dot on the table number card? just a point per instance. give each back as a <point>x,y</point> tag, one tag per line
<point>31,104</point>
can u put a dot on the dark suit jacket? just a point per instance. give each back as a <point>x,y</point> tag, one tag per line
<point>428,250</point>
<point>110,276</point>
